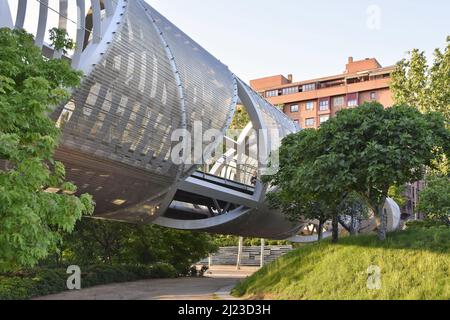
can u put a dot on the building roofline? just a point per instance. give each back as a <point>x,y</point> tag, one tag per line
<point>269,77</point>
<point>335,77</point>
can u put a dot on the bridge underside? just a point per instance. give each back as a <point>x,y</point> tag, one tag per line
<point>144,80</point>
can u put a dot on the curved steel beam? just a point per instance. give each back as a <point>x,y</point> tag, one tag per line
<point>62,23</point>
<point>109,7</point>
<point>21,13</point>
<point>42,23</point>
<point>97,21</point>
<point>79,42</point>
<point>5,15</point>
<point>102,37</point>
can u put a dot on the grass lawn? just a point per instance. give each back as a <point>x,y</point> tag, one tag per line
<point>415,264</point>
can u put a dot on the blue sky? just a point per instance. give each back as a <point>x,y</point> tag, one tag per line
<point>309,39</point>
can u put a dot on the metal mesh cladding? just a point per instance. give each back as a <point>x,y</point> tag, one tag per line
<point>127,108</point>
<point>209,87</point>
<point>278,124</point>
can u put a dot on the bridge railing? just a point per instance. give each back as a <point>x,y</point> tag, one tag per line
<point>85,21</point>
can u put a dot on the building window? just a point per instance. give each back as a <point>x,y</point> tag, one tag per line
<point>272,93</point>
<point>353,100</point>
<point>324,119</point>
<point>373,96</point>
<point>339,101</point>
<point>352,103</point>
<point>324,105</point>
<point>290,90</point>
<point>309,106</point>
<point>294,108</point>
<point>310,122</point>
<point>309,87</point>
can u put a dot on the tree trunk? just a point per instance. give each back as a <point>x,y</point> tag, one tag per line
<point>58,259</point>
<point>382,222</point>
<point>320,231</point>
<point>335,228</point>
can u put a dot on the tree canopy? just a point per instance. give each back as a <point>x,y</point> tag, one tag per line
<point>426,87</point>
<point>417,84</point>
<point>96,242</point>
<point>241,118</point>
<point>301,185</point>
<point>36,203</point>
<point>365,150</point>
<point>435,199</point>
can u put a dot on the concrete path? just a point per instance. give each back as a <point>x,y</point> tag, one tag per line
<point>215,286</point>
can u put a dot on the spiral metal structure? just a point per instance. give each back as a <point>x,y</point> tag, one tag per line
<point>144,79</point>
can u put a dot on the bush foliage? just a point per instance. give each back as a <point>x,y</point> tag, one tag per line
<point>36,202</point>
<point>113,243</point>
<point>40,282</point>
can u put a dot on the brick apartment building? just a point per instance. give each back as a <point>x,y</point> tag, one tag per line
<point>312,102</point>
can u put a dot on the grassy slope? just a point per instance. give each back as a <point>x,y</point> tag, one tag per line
<point>415,264</point>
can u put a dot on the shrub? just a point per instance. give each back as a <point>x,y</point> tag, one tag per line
<point>32,283</point>
<point>48,281</point>
<point>163,270</point>
<point>15,288</point>
<point>104,274</point>
<point>435,199</point>
<point>233,241</point>
<point>41,282</point>
<point>425,224</point>
<point>118,243</point>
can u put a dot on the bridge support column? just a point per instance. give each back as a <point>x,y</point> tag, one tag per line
<point>239,256</point>
<point>263,247</point>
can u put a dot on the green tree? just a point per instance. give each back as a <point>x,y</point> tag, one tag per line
<point>409,83</point>
<point>370,149</point>
<point>36,204</point>
<point>440,82</point>
<point>97,241</point>
<point>241,118</point>
<point>364,150</point>
<point>426,87</point>
<point>109,242</point>
<point>435,199</point>
<point>60,40</point>
<point>301,189</point>
<point>398,195</point>
<point>416,84</point>
<point>351,212</point>
<point>183,248</point>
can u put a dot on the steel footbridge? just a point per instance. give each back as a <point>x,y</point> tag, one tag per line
<point>144,79</point>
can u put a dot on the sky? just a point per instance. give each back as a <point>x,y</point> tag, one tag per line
<point>309,39</point>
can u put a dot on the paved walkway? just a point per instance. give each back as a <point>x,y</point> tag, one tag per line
<point>215,286</point>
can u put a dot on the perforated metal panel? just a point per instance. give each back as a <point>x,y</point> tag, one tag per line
<point>127,108</point>
<point>209,87</point>
<point>276,122</point>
